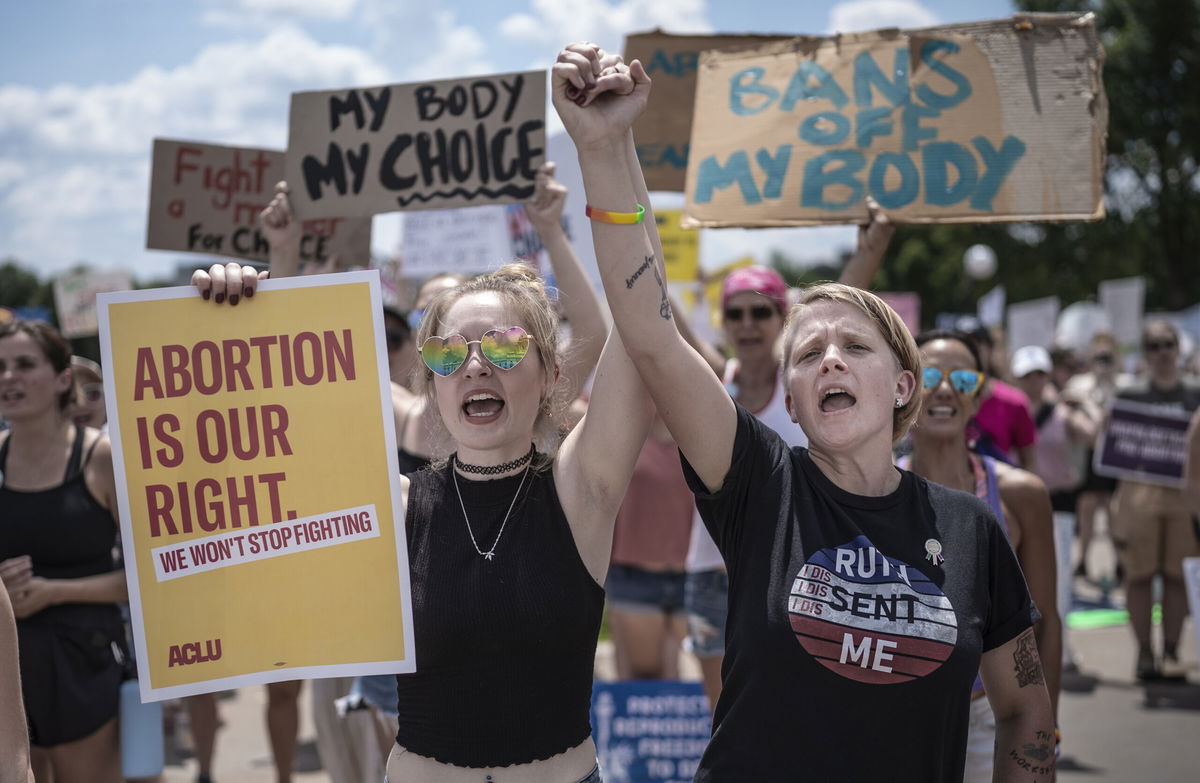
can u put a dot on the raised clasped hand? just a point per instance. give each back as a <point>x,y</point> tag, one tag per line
<point>545,209</point>
<point>596,95</point>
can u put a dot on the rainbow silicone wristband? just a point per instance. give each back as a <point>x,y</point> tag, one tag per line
<point>617,218</point>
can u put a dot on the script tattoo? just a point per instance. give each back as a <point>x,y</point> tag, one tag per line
<point>1040,765</point>
<point>641,270</point>
<point>1026,662</point>
<point>664,307</point>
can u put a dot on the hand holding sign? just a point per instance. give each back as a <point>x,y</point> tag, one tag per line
<point>230,279</point>
<point>596,96</point>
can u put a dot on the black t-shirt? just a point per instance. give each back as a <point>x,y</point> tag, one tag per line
<point>850,654</point>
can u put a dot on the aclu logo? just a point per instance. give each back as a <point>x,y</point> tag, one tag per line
<point>189,653</point>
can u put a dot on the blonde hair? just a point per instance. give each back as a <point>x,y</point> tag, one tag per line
<point>520,288</point>
<point>890,326</point>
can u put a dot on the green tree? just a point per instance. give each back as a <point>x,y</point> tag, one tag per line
<point>20,287</point>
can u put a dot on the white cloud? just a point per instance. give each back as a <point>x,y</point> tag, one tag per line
<point>552,23</point>
<point>859,15</point>
<point>425,40</point>
<point>74,161</point>
<point>240,14</point>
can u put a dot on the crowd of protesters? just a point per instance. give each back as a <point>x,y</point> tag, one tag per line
<point>773,470</point>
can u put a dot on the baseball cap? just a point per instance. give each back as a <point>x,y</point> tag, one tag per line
<point>758,279</point>
<point>1030,358</point>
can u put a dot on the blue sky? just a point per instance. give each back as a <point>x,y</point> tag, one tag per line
<point>86,84</point>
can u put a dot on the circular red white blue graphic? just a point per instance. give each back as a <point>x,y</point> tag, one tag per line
<point>869,617</point>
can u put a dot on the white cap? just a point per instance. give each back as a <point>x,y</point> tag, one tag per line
<point>1030,358</point>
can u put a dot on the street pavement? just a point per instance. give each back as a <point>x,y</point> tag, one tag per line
<point>1114,728</point>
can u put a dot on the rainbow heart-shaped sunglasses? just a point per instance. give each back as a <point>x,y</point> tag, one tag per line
<point>505,348</point>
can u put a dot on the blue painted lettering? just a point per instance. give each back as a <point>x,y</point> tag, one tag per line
<point>749,83</point>
<point>996,165</point>
<point>867,74</point>
<point>962,87</point>
<point>810,82</point>
<point>937,158</point>
<point>910,180</point>
<point>914,132</point>
<point>870,123</point>
<point>817,179</point>
<point>775,167</point>
<point>713,175</point>
<point>825,128</point>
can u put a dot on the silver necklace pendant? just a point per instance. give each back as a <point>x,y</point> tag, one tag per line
<point>488,555</point>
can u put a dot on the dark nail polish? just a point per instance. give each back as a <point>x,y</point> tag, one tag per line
<point>219,298</point>
<point>233,300</point>
<point>249,292</point>
<point>206,295</point>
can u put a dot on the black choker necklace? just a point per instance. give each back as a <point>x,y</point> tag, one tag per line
<point>492,470</point>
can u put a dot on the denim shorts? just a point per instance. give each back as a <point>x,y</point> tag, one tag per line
<point>634,589</point>
<point>380,691</point>
<point>706,598</point>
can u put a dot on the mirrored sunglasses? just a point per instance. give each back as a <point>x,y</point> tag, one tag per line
<point>504,348</point>
<point>962,381</point>
<point>757,313</point>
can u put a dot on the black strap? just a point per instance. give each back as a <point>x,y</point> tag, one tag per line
<point>4,452</point>
<point>73,464</point>
<point>1043,414</point>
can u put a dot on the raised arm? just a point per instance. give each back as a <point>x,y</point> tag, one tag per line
<point>282,230</point>
<point>575,291</point>
<point>873,239</point>
<point>1016,689</point>
<point>598,111</point>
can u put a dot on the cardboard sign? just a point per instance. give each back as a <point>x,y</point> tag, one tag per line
<point>664,130</point>
<point>1033,322</point>
<point>205,198</point>
<point>1123,302</point>
<point>75,299</point>
<point>429,145</point>
<point>1145,443</point>
<point>681,246</point>
<point>650,731</point>
<point>255,460</point>
<point>468,241</point>
<point>988,121</point>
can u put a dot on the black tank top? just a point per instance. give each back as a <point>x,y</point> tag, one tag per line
<point>505,647</point>
<point>65,530</point>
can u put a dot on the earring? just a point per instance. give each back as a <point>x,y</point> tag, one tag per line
<point>899,402</point>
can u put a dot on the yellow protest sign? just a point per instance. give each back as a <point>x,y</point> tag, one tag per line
<point>255,459</point>
<point>681,246</point>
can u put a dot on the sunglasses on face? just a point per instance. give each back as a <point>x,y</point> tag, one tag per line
<point>757,313</point>
<point>962,381</point>
<point>1153,346</point>
<point>1103,358</point>
<point>504,348</point>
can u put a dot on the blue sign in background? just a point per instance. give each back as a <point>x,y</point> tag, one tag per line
<point>649,731</point>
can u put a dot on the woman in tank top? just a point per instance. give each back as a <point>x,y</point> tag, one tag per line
<point>859,604</point>
<point>57,531</point>
<point>952,379</point>
<point>508,543</point>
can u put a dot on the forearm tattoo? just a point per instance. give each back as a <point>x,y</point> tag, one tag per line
<point>1026,662</point>
<point>641,270</point>
<point>664,306</point>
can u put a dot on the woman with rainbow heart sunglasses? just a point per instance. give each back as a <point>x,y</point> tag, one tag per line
<point>508,544</point>
<point>857,595</point>
<point>952,378</point>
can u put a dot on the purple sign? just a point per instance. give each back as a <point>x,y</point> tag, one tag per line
<point>1143,442</point>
